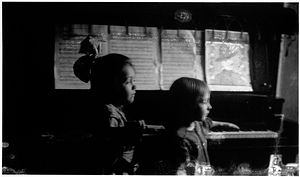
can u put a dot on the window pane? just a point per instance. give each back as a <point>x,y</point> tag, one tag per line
<point>227,60</point>
<point>140,44</point>
<point>180,56</point>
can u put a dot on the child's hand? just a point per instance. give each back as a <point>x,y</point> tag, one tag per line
<point>142,124</point>
<point>225,125</point>
<point>230,125</point>
<point>155,127</point>
<point>152,129</point>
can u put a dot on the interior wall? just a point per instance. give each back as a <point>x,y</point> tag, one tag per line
<point>287,85</point>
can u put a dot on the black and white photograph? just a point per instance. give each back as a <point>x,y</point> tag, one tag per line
<point>150,88</point>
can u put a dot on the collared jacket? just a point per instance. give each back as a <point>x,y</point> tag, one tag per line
<point>186,148</point>
<point>117,139</point>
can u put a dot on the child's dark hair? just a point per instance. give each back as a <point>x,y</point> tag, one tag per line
<point>104,73</point>
<point>106,70</point>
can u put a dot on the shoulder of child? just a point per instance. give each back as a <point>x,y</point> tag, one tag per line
<point>114,115</point>
<point>111,110</point>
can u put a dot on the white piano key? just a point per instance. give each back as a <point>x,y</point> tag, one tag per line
<point>242,134</point>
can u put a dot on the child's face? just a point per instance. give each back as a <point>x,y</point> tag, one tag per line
<point>202,107</point>
<point>128,87</point>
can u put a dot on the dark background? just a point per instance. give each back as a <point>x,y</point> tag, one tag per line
<point>32,106</point>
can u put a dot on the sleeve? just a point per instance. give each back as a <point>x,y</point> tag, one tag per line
<point>177,153</point>
<point>208,122</point>
<point>121,132</point>
<point>127,135</point>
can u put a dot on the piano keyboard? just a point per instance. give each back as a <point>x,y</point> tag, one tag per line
<point>242,134</point>
<point>227,133</point>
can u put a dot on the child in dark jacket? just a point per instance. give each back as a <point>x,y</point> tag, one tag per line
<point>115,137</point>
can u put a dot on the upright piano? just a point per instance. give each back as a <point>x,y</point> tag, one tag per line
<point>263,129</point>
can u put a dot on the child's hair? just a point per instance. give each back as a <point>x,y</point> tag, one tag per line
<point>185,90</point>
<point>104,74</point>
<point>106,71</point>
<point>183,95</point>
<point>107,76</point>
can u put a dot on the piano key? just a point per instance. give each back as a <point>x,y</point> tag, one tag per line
<point>242,134</point>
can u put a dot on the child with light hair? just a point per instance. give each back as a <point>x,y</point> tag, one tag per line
<point>188,126</point>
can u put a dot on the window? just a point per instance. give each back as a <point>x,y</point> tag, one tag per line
<point>159,56</point>
<point>227,60</point>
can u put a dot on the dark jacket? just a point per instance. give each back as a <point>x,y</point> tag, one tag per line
<point>185,148</point>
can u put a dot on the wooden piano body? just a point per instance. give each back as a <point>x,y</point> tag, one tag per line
<point>258,115</point>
